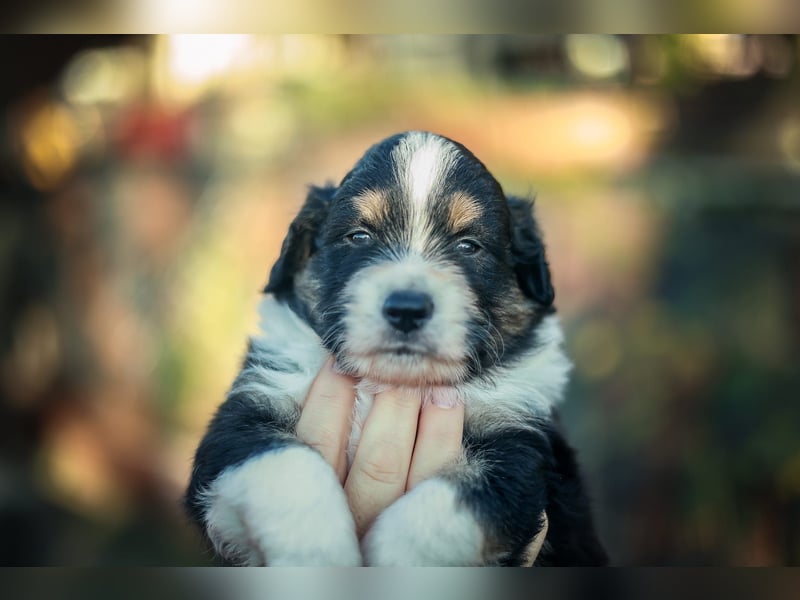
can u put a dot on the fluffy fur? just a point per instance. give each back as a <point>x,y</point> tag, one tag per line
<point>416,271</point>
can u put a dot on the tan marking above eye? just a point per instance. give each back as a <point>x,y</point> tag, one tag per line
<point>463,211</point>
<point>371,205</point>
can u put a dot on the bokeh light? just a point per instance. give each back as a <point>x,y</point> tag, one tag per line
<point>598,56</point>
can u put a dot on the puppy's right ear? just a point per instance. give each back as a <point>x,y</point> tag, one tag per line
<point>300,242</point>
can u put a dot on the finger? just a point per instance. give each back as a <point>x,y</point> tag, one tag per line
<point>438,442</point>
<point>379,471</point>
<point>326,418</point>
<point>533,549</point>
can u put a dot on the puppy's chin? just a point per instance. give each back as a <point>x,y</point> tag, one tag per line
<point>403,369</point>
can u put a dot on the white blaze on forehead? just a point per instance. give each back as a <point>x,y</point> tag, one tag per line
<point>422,162</point>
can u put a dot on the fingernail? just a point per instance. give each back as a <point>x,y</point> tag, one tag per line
<point>443,397</point>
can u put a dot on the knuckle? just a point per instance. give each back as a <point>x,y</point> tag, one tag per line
<point>325,440</point>
<point>400,398</point>
<point>384,467</point>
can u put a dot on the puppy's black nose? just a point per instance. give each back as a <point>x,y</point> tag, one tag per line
<point>407,310</point>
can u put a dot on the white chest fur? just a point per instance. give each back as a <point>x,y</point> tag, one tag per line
<point>530,386</point>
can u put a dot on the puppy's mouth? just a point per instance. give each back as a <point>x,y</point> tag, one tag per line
<point>405,350</point>
<point>407,365</point>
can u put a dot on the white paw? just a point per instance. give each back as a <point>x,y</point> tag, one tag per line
<point>426,527</point>
<point>285,508</point>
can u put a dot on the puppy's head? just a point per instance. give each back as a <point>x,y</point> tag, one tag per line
<point>416,269</point>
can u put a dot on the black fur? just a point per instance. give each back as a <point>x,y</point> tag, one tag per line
<point>300,241</point>
<point>239,430</point>
<point>511,474</point>
<point>533,272</point>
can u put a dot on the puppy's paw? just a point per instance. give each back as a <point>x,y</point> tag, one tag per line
<point>426,527</point>
<point>282,508</point>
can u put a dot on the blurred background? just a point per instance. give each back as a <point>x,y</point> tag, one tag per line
<point>146,184</point>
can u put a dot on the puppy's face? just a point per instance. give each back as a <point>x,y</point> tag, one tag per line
<point>416,270</point>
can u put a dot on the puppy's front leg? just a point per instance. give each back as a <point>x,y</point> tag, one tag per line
<point>263,497</point>
<point>482,512</point>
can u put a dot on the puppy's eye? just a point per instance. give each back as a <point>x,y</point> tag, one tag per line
<point>359,238</point>
<point>467,247</point>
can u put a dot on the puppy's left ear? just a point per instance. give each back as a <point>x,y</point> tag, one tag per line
<point>300,241</point>
<point>530,262</point>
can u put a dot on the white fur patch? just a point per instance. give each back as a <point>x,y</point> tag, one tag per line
<point>422,161</point>
<point>426,527</point>
<point>533,385</point>
<point>282,508</point>
<point>284,334</point>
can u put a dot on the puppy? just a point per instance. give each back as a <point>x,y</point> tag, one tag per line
<point>415,271</point>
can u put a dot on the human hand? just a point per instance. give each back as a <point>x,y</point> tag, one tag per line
<point>401,444</point>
